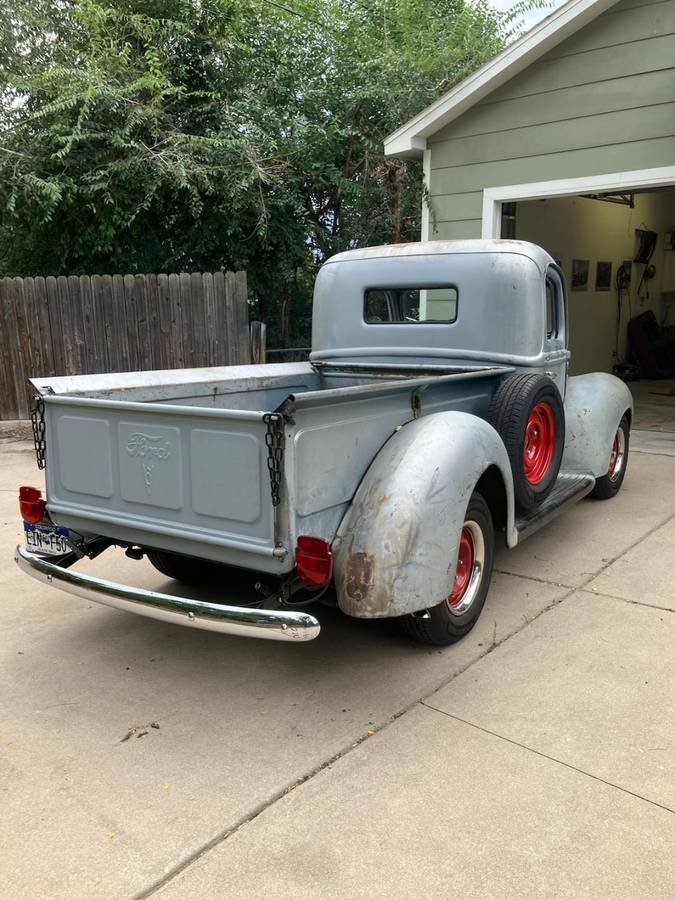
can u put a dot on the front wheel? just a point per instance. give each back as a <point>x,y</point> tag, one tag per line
<point>609,485</point>
<point>455,616</point>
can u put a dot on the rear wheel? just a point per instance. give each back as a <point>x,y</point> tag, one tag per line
<point>609,485</point>
<point>455,616</point>
<point>527,411</point>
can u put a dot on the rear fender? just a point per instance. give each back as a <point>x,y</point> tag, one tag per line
<point>396,549</point>
<point>594,406</point>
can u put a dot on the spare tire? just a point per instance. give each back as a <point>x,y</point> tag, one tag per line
<point>527,411</point>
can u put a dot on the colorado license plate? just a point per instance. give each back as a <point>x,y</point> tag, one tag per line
<point>47,540</point>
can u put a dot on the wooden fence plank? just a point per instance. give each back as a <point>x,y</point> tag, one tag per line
<point>33,360</point>
<point>198,315</point>
<point>110,337</point>
<point>222,358</point>
<point>242,343</point>
<point>56,329</point>
<point>29,358</point>
<point>211,344</point>
<point>90,359</point>
<point>77,320</point>
<point>99,297</point>
<point>230,319</point>
<point>164,322</point>
<point>176,346</point>
<point>101,323</point>
<point>13,319</point>
<point>46,339</point>
<point>67,331</point>
<point>133,311</point>
<point>154,357</point>
<point>140,295</point>
<point>119,360</point>
<point>187,321</point>
<point>8,382</point>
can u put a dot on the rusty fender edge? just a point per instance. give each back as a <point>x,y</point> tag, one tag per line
<point>594,405</point>
<point>274,625</point>
<point>396,548</point>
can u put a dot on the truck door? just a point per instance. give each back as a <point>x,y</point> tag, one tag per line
<point>556,351</point>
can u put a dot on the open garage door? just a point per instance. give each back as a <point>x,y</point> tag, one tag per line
<point>615,241</point>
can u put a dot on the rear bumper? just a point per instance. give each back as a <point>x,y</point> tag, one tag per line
<point>275,625</point>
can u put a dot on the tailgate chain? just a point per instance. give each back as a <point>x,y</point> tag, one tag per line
<point>274,439</point>
<point>37,418</point>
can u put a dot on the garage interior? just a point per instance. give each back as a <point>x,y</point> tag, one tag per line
<point>618,255</point>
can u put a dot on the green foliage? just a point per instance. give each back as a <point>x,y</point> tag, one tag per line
<point>151,135</point>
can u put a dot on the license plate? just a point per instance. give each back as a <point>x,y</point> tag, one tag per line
<point>47,540</point>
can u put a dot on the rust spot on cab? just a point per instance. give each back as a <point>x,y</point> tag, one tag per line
<point>359,574</point>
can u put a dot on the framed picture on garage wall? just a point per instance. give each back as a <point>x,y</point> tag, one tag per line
<point>580,274</point>
<point>603,276</point>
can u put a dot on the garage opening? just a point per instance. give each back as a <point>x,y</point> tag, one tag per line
<point>617,250</point>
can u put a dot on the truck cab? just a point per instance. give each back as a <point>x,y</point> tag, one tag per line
<point>443,302</point>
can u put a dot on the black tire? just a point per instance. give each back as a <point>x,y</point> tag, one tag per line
<point>609,485</point>
<point>189,569</point>
<point>524,408</point>
<point>442,625</point>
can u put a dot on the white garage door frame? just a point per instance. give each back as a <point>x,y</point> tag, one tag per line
<point>541,190</point>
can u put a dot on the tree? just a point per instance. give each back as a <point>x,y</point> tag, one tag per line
<point>150,135</point>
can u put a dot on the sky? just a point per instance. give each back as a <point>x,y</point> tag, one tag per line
<point>532,17</point>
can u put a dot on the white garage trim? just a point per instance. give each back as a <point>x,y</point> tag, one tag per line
<point>591,184</point>
<point>426,182</point>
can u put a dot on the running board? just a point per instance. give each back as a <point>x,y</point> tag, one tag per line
<point>569,487</point>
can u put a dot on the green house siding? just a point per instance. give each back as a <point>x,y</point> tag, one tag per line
<point>601,101</point>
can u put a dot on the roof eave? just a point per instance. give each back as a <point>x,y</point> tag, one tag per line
<point>410,140</point>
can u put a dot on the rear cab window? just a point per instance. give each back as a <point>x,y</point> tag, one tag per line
<point>398,305</point>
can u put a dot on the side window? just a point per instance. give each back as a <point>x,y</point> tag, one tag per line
<point>556,306</point>
<point>551,310</point>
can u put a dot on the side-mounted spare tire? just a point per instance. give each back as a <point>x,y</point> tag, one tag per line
<point>527,412</point>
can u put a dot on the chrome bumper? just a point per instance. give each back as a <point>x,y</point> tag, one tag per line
<point>274,625</point>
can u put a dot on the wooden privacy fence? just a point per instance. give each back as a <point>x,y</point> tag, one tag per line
<point>117,323</point>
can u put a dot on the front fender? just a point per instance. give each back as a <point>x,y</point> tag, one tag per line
<point>396,549</point>
<point>594,405</point>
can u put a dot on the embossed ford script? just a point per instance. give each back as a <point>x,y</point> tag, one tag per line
<point>149,449</point>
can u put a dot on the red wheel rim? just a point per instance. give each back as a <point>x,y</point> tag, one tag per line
<point>539,445</point>
<point>614,457</point>
<point>617,457</point>
<point>465,559</point>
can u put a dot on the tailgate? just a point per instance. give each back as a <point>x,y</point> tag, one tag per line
<point>193,481</point>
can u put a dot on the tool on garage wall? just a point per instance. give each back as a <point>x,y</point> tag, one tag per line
<point>646,245</point>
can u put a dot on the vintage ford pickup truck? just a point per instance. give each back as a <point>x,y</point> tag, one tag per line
<point>435,412</point>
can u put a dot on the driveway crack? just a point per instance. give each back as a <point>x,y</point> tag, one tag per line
<point>543,755</point>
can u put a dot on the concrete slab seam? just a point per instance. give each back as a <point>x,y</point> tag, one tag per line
<point>508,740</point>
<point>597,593</point>
<point>534,578</point>
<point>606,565</point>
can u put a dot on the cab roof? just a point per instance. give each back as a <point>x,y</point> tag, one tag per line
<point>434,248</point>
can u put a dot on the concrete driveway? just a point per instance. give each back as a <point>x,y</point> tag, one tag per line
<point>536,758</point>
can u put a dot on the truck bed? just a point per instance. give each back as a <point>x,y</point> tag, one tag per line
<point>178,460</point>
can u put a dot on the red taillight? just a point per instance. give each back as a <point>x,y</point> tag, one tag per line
<point>314,560</point>
<point>31,504</point>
